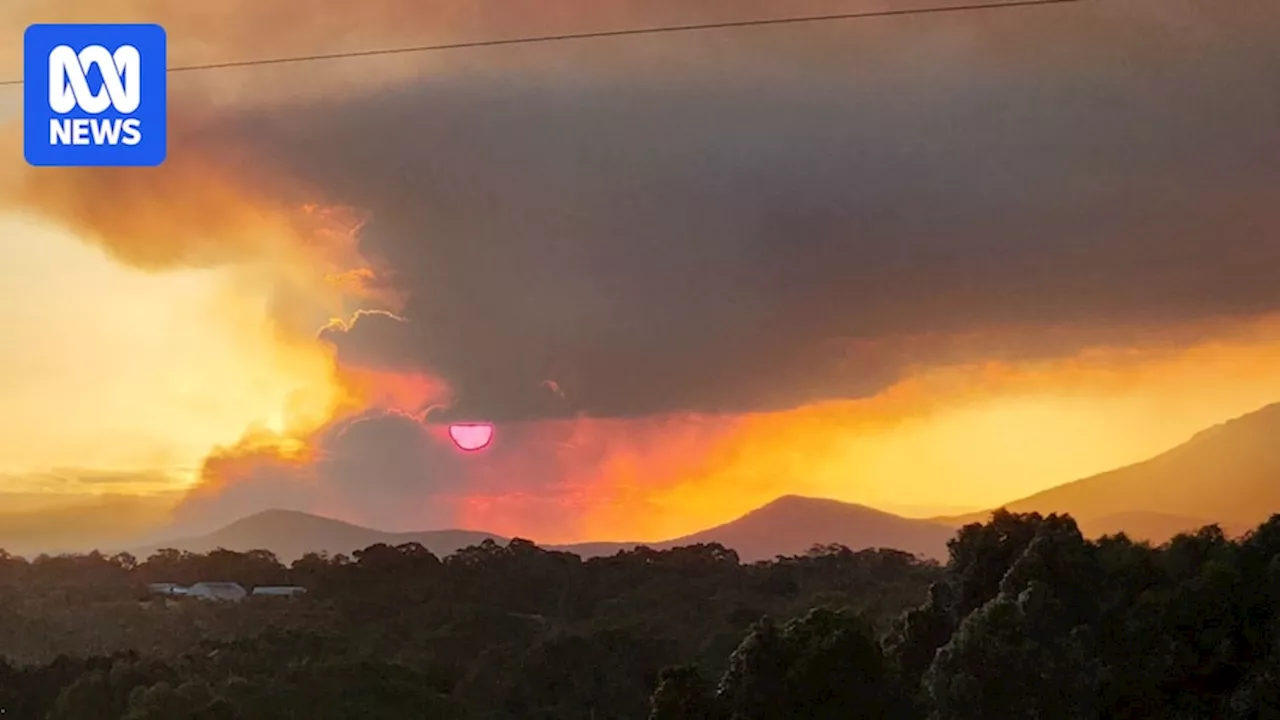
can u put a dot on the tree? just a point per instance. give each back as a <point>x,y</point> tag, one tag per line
<point>981,555</point>
<point>826,664</point>
<point>1010,659</point>
<point>914,641</point>
<point>683,693</point>
<point>597,674</point>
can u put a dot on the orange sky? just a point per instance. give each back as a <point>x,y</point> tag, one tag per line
<point>169,320</point>
<point>947,439</point>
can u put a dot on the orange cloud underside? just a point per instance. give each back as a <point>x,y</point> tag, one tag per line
<point>972,436</point>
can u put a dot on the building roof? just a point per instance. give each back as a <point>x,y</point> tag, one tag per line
<point>220,590</point>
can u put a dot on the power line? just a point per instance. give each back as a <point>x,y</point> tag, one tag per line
<point>659,30</point>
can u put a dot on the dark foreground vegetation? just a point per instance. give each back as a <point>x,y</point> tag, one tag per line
<point>1026,620</point>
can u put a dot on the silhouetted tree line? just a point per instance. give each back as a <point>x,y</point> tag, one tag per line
<point>1027,619</point>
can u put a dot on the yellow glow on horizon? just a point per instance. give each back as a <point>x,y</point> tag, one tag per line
<point>975,437</point>
<point>115,369</point>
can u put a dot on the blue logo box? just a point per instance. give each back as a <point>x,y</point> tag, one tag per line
<point>95,95</point>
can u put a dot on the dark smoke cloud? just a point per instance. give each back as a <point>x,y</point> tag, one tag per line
<point>394,471</point>
<point>374,339</point>
<point>379,467</point>
<point>664,241</point>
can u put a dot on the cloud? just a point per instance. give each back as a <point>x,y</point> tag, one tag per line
<point>653,234</point>
<point>246,30</point>
<point>659,242</point>
<point>374,339</point>
<point>394,471</point>
<point>977,434</point>
<point>77,479</point>
<point>386,468</point>
<point>53,522</point>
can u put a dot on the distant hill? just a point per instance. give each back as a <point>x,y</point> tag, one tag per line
<point>787,526</point>
<point>791,525</point>
<point>290,535</point>
<point>1156,528</point>
<point>1228,474</point>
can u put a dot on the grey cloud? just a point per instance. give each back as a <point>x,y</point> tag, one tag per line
<point>393,471</point>
<point>380,468</point>
<point>375,339</point>
<point>657,242</point>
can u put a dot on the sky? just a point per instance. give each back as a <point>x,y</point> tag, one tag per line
<point>926,264</point>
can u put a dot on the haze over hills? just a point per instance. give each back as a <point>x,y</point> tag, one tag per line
<point>788,526</point>
<point>792,524</point>
<point>1228,474</point>
<point>1156,528</point>
<point>108,521</point>
<point>291,534</point>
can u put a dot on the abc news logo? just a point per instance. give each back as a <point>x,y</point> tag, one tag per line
<point>69,89</point>
<point>95,95</point>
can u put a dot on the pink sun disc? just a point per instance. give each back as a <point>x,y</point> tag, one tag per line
<point>471,436</point>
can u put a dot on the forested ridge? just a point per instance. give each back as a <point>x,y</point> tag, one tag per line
<point>1027,619</point>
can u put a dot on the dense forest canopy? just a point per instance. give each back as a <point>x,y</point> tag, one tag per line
<point>1027,619</point>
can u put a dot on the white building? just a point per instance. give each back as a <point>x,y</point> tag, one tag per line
<point>225,591</point>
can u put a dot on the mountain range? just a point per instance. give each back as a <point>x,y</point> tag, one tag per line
<point>787,526</point>
<point>1228,474</point>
